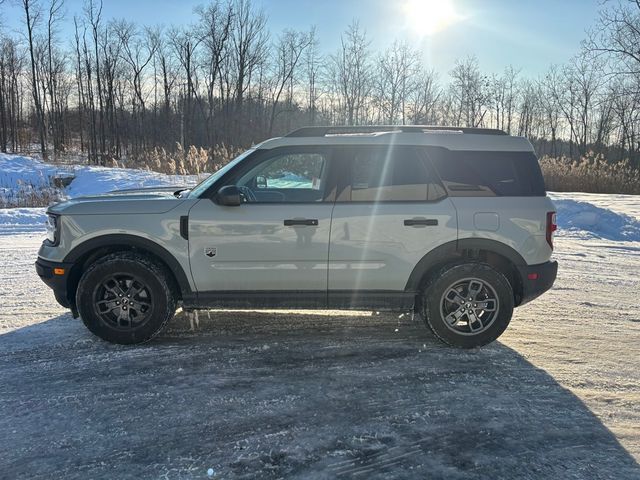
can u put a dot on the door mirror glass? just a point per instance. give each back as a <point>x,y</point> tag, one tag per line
<point>229,196</point>
<point>261,181</point>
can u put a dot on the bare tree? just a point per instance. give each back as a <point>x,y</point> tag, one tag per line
<point>352,67</point>
<point>550,105</point>
<point>138,48</point>
<point>222,81</point>
<point>312,65</point>
<point>32,12</point>
<point>94,16</point>
<point>53,76</point>
<point>397,69</point>
<point>289,50</point>
<point>215,28</point>
<point>424,99</point>
<point>185,43</point>
<point>470,93</point>
<point>617,36</point>
<point>249,40</point>
<point>504,96</point>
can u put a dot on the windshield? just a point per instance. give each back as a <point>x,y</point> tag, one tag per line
<point>207,182</point>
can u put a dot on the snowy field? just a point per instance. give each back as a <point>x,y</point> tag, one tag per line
<point>333,394</point>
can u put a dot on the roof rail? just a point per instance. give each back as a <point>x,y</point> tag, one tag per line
<point>329,130</point>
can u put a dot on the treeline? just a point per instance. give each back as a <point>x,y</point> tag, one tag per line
<point>117,90</point>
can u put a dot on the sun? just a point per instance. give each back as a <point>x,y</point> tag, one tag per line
<point>428,17</point>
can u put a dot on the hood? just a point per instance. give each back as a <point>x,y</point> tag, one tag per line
<point>146,190</point>
<point>129,202</point>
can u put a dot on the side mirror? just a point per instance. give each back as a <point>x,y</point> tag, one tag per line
<point>229,196</point>
<point>261,181</point>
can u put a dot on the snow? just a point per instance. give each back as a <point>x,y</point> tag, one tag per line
<point>294,394</point>
<point>17,171</point>
<point>22,220</point>
<point>96,180</point>
<point>583,219</point>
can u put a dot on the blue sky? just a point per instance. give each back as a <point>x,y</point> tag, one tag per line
<point>529,35</point>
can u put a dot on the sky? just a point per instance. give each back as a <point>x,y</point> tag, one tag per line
<point>528,34</point>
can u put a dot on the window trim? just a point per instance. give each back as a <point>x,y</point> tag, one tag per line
<point>345,159</point>
<point>264,155</point>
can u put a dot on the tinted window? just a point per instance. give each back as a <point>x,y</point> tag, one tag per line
<point>473,174</point>
<point>392,174</point>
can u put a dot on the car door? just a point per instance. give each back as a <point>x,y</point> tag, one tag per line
<point>278,238</point>
<point>390,211</point>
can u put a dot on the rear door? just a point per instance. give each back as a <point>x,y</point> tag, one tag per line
<point>390,211</point>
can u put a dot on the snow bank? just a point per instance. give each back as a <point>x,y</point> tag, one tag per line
<point>20,174</point>
<point>22,220</point>
<point>16,170</point>
<point>584,219</point>
<point>96,180</point>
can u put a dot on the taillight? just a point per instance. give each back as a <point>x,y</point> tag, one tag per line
<point>552,226</point>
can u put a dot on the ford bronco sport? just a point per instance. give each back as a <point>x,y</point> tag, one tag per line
<point>452,223</point>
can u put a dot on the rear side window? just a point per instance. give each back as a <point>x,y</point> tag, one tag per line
<point>391,173</point>
<point>488,174</point>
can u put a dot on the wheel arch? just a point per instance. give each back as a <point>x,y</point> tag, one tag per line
<point>91,250</point>
<point>497,254</point>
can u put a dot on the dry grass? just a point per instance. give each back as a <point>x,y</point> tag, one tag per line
<point>591,174</point>
<point>193,161</point>
<point>30,195</point>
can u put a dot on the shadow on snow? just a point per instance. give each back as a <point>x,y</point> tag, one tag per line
<point>305,396</point>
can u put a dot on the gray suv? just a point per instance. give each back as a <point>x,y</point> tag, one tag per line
<point>452,223</point>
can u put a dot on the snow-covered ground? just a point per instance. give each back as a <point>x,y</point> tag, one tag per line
<point>334,394</point>
<point>20,173</point>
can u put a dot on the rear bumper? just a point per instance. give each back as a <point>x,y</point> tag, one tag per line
<point>537,279</point>
<point>57,282</point>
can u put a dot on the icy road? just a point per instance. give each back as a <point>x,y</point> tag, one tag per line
<point>339,395</point>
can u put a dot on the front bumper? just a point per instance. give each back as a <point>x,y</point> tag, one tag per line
<point>57,282</point>
<point>537,279</point>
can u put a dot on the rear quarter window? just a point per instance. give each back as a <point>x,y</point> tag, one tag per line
<point>488,174</point>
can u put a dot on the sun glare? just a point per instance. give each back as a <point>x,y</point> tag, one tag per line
<point>428,17</point>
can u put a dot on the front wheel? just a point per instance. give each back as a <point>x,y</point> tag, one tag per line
<point>468,305</point>
<point>126,298</point>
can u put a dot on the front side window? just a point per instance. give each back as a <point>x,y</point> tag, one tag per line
<point>203,186</point>
<point>287,177</point>
<point>391,173</point>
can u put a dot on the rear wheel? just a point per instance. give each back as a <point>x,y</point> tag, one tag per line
<point>468,305</point>
<point>126,298</point>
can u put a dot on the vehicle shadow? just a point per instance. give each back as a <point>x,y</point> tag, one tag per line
<point>296,395</point>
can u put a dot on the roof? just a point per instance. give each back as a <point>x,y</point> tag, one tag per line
<point>453,138</point>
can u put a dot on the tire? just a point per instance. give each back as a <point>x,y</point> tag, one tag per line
<point>126,298</point>
<point>461,322</point>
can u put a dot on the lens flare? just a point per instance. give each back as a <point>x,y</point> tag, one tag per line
<point>428,17</point>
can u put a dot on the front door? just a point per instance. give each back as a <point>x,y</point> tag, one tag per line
<point>278,238</point>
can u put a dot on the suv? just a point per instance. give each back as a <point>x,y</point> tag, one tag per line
<point>452,223</point>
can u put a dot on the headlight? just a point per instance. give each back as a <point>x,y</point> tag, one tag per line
<point>52,229</point>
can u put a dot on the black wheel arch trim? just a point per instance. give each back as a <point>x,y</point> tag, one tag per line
<point>450,250</point>
<point>136,242</point>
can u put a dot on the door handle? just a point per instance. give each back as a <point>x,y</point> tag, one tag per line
<point>420,222</point>
<point>311,222</point>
